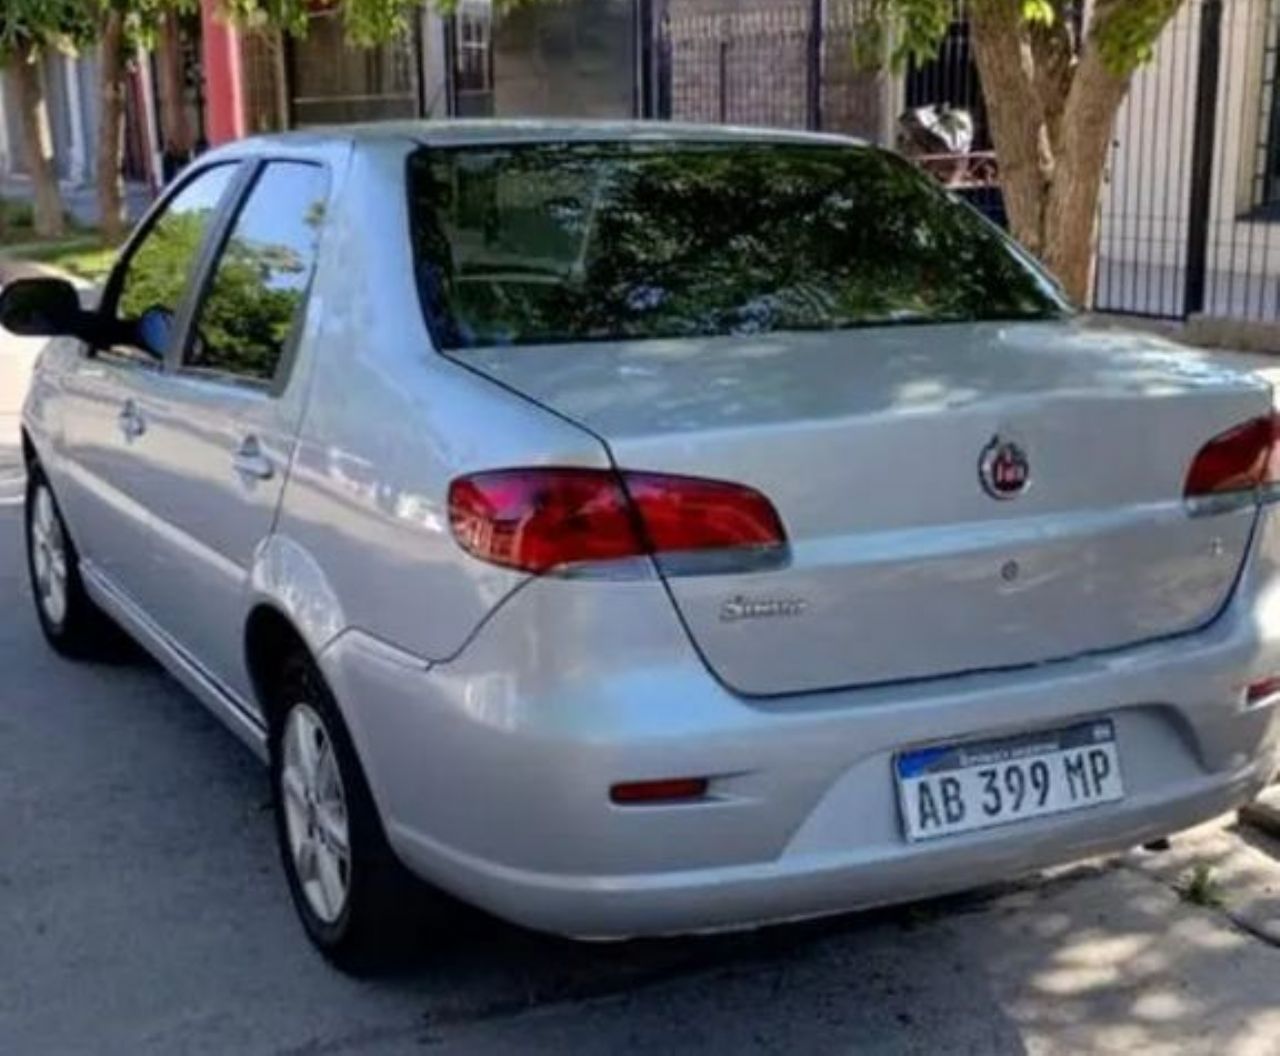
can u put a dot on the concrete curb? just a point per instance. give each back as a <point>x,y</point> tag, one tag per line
<point>1264,812</point>
<point>1242,335</point>
<point>1200,331</point>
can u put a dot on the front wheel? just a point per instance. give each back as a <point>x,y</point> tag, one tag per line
<point>357,903</point>
<point>71,622</point>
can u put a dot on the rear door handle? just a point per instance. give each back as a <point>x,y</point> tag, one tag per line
<point>132,424</point>
<point>250,462</point>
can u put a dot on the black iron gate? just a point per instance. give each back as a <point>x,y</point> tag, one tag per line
<point>807,65</point>
<point>1188,220</point>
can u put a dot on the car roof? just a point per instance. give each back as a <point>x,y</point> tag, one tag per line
<point>504,131</point>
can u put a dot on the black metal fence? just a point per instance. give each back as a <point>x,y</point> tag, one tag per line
<point>813,65</point>
<point>1189,213</point>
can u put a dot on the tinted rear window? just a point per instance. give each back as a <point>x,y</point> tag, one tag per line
<point>541,243</point>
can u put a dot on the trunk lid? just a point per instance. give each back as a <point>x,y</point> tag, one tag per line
<point>869,443</point>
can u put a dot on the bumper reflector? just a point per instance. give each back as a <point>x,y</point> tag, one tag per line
<point>667,791</point>
<point>1263,689</point>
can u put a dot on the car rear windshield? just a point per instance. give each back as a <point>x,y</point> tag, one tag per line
<point>538,243</point>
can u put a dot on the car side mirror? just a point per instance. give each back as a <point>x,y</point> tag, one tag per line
<point>153,331</point>
<point>42,308</point>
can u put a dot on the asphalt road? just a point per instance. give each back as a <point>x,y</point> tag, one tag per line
<point>142,911</point>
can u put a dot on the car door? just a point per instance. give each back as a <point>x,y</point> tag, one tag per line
<point>221,423</point>
<point>106,391</point>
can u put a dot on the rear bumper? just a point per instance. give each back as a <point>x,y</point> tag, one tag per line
<point>801,884</point>
<point>492,771</point>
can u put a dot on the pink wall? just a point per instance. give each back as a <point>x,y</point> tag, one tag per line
<point>224,100</point>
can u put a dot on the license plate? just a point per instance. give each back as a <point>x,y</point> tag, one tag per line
<point>958,788</point>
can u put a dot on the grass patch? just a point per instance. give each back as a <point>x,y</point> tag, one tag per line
<point>16,219</point>
<point>1200,888</point>
<point>85,256</point>
<point>80,252</point>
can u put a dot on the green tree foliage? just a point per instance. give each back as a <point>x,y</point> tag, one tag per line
<point>41,24</point>
<point>141,18</point>
<point>368,22</point>
<point>1125,31</point>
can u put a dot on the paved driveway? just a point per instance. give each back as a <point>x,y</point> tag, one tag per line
<point>142,911</point>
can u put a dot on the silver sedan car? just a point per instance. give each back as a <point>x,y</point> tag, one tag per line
<point>641,529</point>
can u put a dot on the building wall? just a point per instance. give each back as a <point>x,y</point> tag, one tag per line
<point>748,62</point>
<point>86,74</point>
<point>265,95</point>
<point>57,99</point>
<point>575,58</point>
<point>331,82</point>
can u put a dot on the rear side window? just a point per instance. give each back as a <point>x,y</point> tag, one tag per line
<point>261,276</point>
<point>537,243</point>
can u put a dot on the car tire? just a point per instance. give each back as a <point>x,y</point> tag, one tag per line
<point>359,905</point>
<point>72,623</point>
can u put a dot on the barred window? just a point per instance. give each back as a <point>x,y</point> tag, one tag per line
<point>1266,173</point>
<point>473,60</point>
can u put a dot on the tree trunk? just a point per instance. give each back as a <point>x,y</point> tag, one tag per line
<point>1071,212</point>
<point>23,75</point>
<point>111,85</point>
<point>1003,58</point>
<point>175,129</point>
<point>1051,123</point>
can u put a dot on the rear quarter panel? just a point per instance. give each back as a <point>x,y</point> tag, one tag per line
<point>389,423</point>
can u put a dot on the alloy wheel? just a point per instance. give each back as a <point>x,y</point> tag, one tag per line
<point>49,557</point>
<point>315,808</point>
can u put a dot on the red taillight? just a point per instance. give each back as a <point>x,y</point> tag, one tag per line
<point>688,513</point>
<point>541,518</point>
<point>1241,459</point>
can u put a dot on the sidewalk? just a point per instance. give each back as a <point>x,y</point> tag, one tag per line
<point>1106,957</point>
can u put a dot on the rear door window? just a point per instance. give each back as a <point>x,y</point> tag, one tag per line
<point>261,276</point>
<point>537,243</point>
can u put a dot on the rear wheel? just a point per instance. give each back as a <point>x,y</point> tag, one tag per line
<point>71,622</point>
<point>359,905</point>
